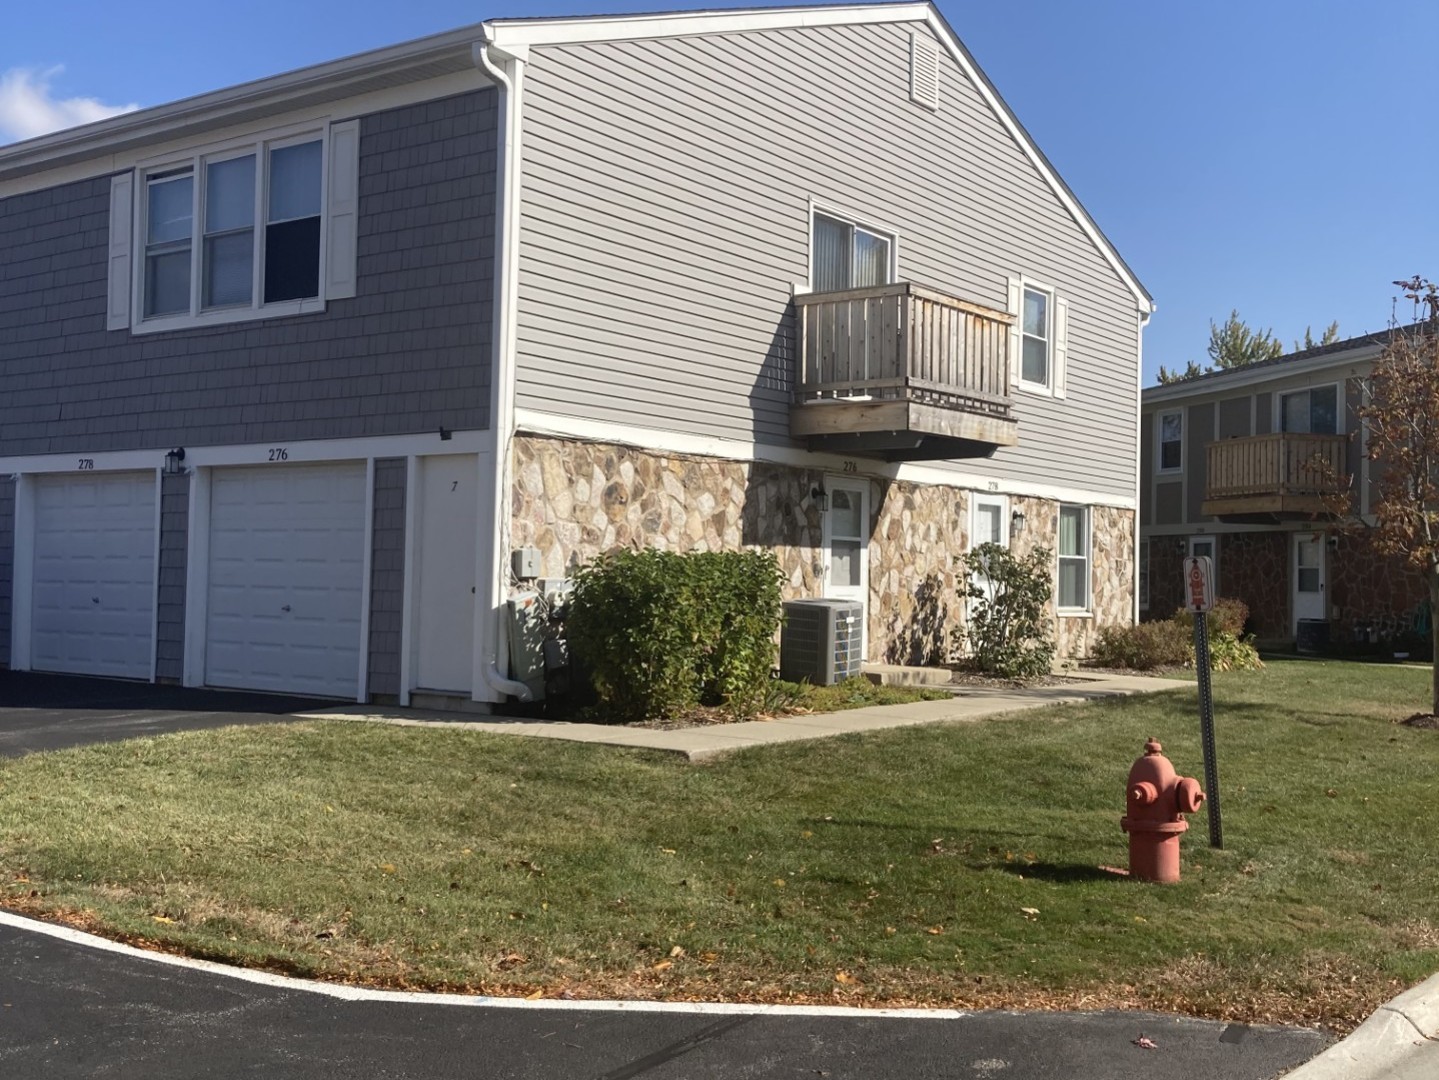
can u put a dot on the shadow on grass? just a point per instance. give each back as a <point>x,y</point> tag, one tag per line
<point>1056,873</point>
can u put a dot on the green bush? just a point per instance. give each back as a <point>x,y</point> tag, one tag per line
<point>660,632</point>
<point>1170,642</point>
<point>1008,631</point>
<point>1146,646</point>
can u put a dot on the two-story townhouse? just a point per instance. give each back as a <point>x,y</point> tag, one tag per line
<point>290,370</point>
<point>1243,466</point>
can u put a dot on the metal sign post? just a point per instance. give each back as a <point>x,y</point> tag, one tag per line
<point>1199,598</point>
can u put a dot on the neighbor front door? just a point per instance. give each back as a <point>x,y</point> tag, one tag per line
<point>846,544</point>
<point>1309,600</point>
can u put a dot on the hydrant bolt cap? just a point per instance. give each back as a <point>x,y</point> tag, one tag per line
<point>1151,746</point>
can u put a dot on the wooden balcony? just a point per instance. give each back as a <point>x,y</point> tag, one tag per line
<point>903,373</point>
<point>1276,477</point>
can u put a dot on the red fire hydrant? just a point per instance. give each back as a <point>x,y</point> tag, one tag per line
<point>1156,798</point>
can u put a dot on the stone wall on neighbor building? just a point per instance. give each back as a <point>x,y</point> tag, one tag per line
<point>1254,567</point>
<point>1370,589</point>
<point>573,500</point>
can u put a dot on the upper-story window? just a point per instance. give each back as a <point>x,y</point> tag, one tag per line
<point>234,264</point>
<point>846,255</point>
<point>247,229</point>
<point>1037,336</point>
<point>1171,441</point>
<point>1311,412</point>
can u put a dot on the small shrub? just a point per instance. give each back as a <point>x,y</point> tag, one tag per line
<point>1008,632</point>
<point>1230,652</point>
<point>1226,616</point>
<point>660,632</point>
<point>1144,647</point>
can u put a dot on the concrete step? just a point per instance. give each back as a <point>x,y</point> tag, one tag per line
<point>902,675</point>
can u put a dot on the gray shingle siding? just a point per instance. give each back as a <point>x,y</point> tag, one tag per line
<point>387,576</point>
<point>170,607</point>
<point>410,352</point>
<point>666,218</point>
<point>7,564</point>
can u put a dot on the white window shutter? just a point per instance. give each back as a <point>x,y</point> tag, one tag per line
<point>1061,345</point>
<point>343,210</point>
<point>1014,339</point>
<point>122,212</point>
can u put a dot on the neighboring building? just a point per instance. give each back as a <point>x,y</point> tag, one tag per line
<point>1242,465</point>
<point>790,278</point>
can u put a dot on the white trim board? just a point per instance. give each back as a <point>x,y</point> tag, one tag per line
<point>164,141</point>
<point>460,442</point>
<point>657,440</point>
<point>343,992</point>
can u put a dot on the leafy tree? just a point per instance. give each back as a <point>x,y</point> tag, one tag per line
<point>1400,410</point>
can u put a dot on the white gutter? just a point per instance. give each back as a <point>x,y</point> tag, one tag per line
<point>508,75</point>
<point>1140,323</point>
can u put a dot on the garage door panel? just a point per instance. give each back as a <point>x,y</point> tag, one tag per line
<point>286,578</point>
<point>93,592</point>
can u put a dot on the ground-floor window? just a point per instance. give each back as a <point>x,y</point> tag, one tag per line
<point>1073,548</point>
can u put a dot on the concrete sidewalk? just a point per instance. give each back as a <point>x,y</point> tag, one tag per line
<point>1399,1042</point>
<point>701,743</point>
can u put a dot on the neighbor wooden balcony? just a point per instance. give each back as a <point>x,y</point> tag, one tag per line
<point>1275,477</point>
<point>902,372</point>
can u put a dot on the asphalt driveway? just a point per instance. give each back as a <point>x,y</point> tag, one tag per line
<point>51,712</point>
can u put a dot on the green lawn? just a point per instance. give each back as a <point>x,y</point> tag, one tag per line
<point>893,867</point>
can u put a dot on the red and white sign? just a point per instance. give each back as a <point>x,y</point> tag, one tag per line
<point>1198,583</point>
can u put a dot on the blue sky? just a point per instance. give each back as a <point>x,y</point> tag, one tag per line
<point>1274,156</point>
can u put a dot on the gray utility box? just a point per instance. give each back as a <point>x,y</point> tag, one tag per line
<point>820,642</point>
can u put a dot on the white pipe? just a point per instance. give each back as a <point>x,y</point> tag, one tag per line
<point>502,368</point>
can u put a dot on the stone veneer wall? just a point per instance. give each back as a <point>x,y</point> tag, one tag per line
<point>1366,586</point>
<point>1254,567</point>
<point>573,500</point>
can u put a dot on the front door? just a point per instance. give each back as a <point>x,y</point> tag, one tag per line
<point>989,525</point>
<point>444,614</point>
<point>846,544</point>
<point>1309,578</point>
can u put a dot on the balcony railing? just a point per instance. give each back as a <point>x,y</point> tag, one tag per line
<point>903,372</point>
<point>1282,474</point>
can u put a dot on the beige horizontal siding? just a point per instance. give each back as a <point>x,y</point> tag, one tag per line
<point>665,222</point>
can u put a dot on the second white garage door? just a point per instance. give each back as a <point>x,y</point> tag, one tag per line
<point>287,556</point>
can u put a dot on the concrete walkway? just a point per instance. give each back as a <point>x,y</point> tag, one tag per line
<point>701,743</point>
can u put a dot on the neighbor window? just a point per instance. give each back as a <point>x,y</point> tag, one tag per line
<point>848,256</point>
<point>1073,558</point>
<point>1171,441</point>
<point>1310,412</point>
<point>1036,334</point>
<point>233,264</point>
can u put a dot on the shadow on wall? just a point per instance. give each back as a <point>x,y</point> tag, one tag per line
<point>923,638</point>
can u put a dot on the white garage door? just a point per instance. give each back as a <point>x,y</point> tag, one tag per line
<point>287,554</point>
<point>93,605</point>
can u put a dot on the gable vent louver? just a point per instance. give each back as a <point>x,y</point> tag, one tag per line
<point>923,72</point>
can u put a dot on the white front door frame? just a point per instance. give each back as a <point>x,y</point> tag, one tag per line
<point>1308,603</point>
<point>442,596</point>
<point>842,487</point>
<point>981,502</point>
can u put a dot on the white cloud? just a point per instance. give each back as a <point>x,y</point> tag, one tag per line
<point>28,107</point>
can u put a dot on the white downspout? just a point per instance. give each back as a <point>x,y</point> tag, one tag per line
<point>508,75</point>
<point>1140,323</point>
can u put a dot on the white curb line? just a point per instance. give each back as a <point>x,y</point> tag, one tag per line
<point>1405,1026</point>
<point>359,993</point>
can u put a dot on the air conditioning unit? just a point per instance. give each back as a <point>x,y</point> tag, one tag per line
<point>820,642</point>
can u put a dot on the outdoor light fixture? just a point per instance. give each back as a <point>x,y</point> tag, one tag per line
<point>820,498</point>
<point>1016,522</point>
<point>175,462</point>
<point>445,433</point>
<point>1181,545</point>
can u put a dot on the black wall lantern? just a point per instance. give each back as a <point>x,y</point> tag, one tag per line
<point>820,498</point>
<point>1016,523</point>
<point>175,462</point>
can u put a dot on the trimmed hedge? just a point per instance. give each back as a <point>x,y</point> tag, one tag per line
<point>1170,643</point>
<point>659,632</point>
